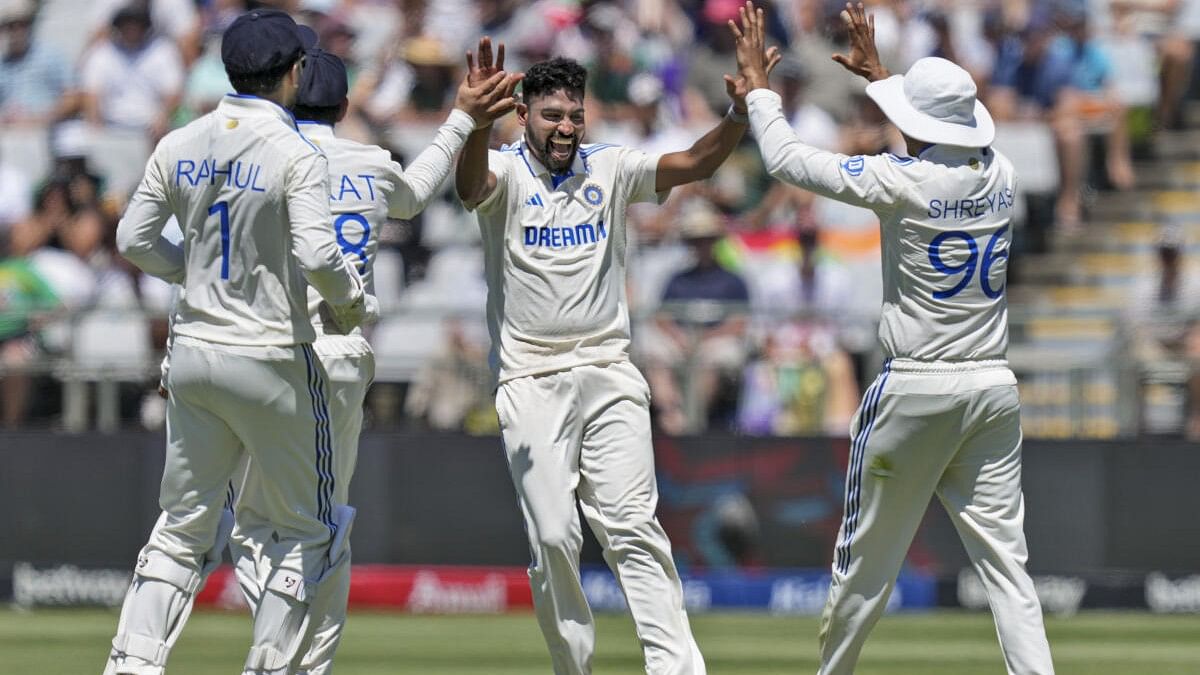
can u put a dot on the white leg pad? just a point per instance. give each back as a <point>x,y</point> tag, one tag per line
<point>280,623</point>
<point>156,608</point>
<point>262,660</point>
<point>329,603</point>
<point>153,652</point>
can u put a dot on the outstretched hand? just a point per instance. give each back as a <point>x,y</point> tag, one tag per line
<point>863,58</point>
<point>487,91</point>
<point>754,63</point>
<point>486,67</point>
<point>737,87</point>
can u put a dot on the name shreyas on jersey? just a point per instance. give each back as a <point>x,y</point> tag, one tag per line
<point>349,186</point>
<point>563,237</point>
<point>241,175</point>
<point>971,208</point>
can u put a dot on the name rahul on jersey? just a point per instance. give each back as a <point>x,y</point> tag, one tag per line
<point>241,175</point>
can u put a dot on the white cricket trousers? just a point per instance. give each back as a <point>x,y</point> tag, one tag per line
<point>583,435</point>
<point>272,403</point>
<point>927,428</point>
<point>350,365</point>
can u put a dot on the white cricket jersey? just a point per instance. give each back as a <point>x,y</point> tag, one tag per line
<point>945,220</point>
<point>554,255</point>
<point>367,187</point>
<point>252,198</point>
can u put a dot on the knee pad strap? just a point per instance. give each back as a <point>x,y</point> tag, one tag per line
<point>265,658</point>
<point>142,647</point>
<point>155,565</point>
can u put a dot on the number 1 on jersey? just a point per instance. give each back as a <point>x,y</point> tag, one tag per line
<point>222,210</point>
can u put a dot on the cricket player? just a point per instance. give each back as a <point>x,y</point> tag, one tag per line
<point>943,417</point>
<point>573,410</point>
<point>251,196</point>
<point>366,188</point>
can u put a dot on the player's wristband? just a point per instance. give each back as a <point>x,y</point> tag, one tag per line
<point>737,117</point>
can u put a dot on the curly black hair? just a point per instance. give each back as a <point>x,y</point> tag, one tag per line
<point>547,77</point>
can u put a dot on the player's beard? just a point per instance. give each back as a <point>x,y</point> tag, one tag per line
<point>557,163</point>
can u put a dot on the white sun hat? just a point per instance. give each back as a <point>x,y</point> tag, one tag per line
<point>935,102</point>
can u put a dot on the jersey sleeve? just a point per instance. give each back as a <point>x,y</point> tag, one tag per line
<point>313,244</point>
<point>139,234</point>
<point>417,185</point>
<point>637,172</point>
<point>500,164</point>
<point>873,182</point>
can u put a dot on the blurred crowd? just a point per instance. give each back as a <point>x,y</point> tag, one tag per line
<point>754,303</point>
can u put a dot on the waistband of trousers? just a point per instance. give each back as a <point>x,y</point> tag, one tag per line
<point>901,365</point>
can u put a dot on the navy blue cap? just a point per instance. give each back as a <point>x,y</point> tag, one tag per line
<point>263,41</point>
<point>323,83</point>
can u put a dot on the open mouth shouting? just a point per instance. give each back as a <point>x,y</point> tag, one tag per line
<point>560,151</point>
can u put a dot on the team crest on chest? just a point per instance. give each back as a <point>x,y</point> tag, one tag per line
<point>592,194</point>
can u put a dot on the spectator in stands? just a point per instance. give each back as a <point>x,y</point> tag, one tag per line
<point>1171,28</point>
<point>451,392</point>
<point>701,330</point>
<point>812,124</point>
<point>36,85</point>
<point>803,381</point>
<point>207,83</point>
<point>417,88</point>
<point>133,80</point>
<point>69,142</point>
<point>817,32</point>
<point>52,207</point>
<point>70,246</point>
<point>1035,78</point>
<point>710,55</point>
<point>802,384</point>
<point>15,195</point>
<point>504,21</point>
<point>176,20</point>
<point>610,37</point>
<point>1091,94</point>
<point>24,300</point>
<point>1164,318</point>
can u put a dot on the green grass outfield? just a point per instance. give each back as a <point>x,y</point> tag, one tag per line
<point>75,642</point>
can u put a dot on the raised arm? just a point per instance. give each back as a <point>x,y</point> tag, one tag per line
<point>704,157</point>
<point>857,180</point>
<point>139,234</point>
<point>473,182</point>
<point>475,105</point>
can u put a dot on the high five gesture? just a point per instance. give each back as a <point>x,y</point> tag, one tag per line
<point>738,87</point>
<point>754,61</point>
<point>487,91</point>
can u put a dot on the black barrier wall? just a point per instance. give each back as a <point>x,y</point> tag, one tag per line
<point>725,500</point>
